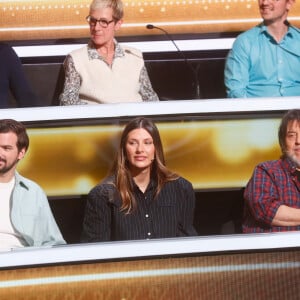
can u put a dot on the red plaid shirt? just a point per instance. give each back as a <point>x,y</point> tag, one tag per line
<point>273,183</point>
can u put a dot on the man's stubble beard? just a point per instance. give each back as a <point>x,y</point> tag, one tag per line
<point>293,158</point>
<point>6,168</point>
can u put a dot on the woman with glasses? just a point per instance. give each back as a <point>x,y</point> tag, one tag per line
<point>104,71</point>
<point>141,198</point>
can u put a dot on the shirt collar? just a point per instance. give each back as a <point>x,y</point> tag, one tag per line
<point>289,165</point>
<point>264,29</point>
<point>152,184</point>
<point>93,53</point>
<point>20,181</point>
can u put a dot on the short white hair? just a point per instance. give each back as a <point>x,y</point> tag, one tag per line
<point>116,5</point>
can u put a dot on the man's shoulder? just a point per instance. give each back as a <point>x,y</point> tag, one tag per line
<point>7,53</point>
<point>249,34</point>
<point>5,47</point>
<point>271,165</point>
<point>294,30</point>
<point>27,183</point>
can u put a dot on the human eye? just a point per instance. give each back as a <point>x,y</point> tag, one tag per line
<point>7,148</point>
<point>131,142</point>
<point>148,142</point>
<point>291,134</point>
<point>103,22</point>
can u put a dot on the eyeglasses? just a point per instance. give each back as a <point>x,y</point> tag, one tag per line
<point>103,22</point>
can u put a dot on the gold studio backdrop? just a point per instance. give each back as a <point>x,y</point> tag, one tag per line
<point>212,154</point>
<point>38,19</point>
<point>215,276</point>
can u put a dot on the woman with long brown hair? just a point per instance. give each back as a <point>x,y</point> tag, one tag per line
<point>141,198</point>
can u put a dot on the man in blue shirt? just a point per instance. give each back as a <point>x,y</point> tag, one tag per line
<point>265,60</point>
<point>25,215</point>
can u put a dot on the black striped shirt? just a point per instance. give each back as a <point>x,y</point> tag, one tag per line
<point>170,214</point>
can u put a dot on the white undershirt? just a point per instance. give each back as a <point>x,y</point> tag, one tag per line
<point>9,238</point>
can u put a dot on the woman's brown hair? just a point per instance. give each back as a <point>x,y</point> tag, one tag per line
<point>120,169</point>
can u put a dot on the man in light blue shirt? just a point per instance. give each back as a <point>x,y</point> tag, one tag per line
<point>265,60</point>
<point>25,215</point>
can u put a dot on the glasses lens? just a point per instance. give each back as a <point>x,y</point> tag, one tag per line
<point>93,22</point>
<point>103,23</point>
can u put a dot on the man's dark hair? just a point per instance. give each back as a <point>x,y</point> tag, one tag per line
<point>10,125</point>
<point>290,116</point>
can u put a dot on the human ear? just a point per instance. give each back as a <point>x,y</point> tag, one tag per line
<point>21,153</point>
<point>118,24</point>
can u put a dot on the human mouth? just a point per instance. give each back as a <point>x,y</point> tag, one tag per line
<point>297,150</point>
<point>140,158</point>
<point>265,9</point>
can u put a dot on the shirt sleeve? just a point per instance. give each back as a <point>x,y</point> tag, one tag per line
<point>146,90</point>
<point>19,85</point>
<point>236,74</point>
<point>261,195</point>
<point>187,210</point>
<point>70,94</point>
<point>97,217</point>
<point>51,235</point>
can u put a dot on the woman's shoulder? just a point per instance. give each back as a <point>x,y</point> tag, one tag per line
<point>79,52</point>
<point>132,51</point>
<point>106,184</point>
<point>106,191</point>
<point>181,182</point>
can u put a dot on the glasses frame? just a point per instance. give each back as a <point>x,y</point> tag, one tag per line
<point>102,22</point>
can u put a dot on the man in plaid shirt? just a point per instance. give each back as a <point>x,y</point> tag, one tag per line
<point>272,196</point>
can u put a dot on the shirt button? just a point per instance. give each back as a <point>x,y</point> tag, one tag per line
<point>146,215</point>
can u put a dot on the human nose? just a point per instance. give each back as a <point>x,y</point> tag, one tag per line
<point>140,147</point>
<point>98,25</point>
